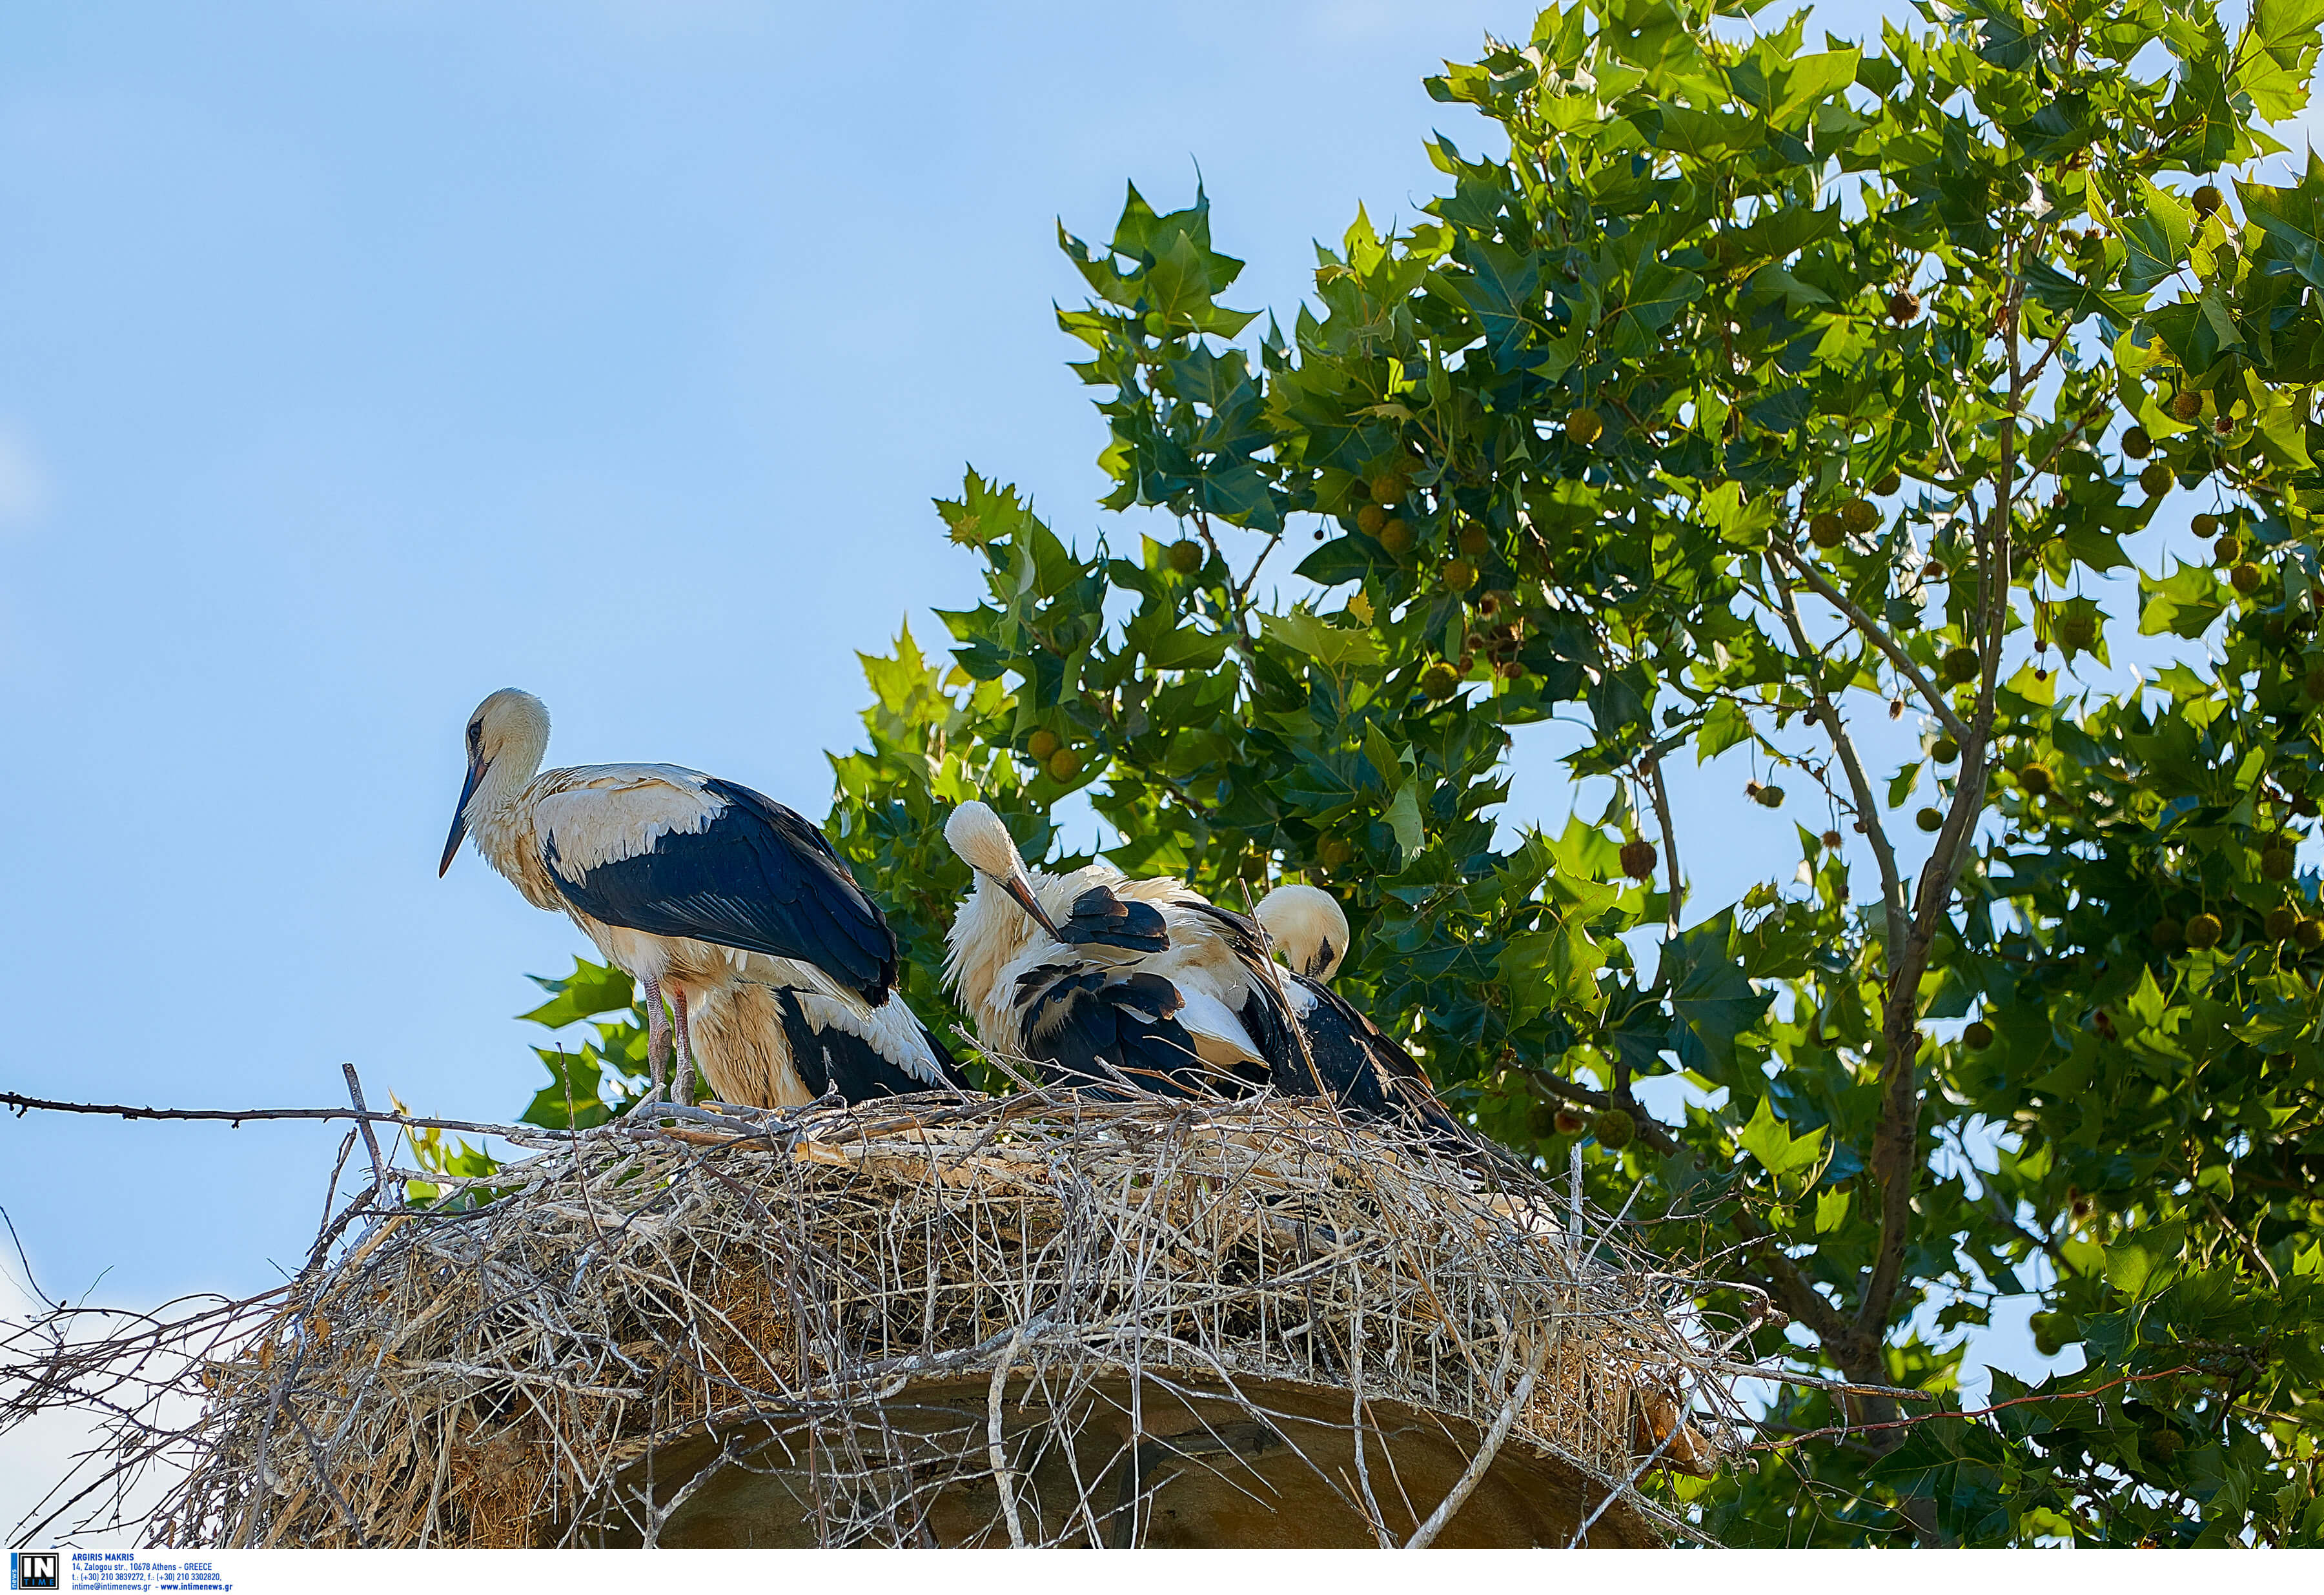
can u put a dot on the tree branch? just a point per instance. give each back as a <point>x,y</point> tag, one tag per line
<point>1876,634</point>
<point>1653,1133</point>
<point>1892,884</point>
<point>24,1105</point>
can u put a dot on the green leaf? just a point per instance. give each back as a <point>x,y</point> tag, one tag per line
<point>2183,604</point>
<point>1310,637</point>
<point>2276,74</point>
<point>2155,238</point>
<point>2142,1262</point>
<point>1403,819</point>
<point>592,989</point>
<point>1833,1203</point>
<point>1779,1151</point>
<point>1552,968</point>
<point>1711,1000</point>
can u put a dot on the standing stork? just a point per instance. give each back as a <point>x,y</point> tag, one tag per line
<point>710,891</point>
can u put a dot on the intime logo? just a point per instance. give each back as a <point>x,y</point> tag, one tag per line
<point>33,1570</point>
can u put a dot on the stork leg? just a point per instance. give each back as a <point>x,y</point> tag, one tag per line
<point>684,1054</point>
<point>656,1033</point>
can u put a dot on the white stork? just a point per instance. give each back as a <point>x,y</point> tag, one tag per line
<point>1307,927</point>
<point>1102,980</point>
<point>1361,1067</point>
<point>713,892</point>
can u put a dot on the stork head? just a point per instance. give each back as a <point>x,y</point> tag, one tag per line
<point>507,735</point>
<point>1307,927</point>
<point>983,843</point>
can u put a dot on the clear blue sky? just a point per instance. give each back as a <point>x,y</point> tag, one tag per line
<point>359,358</point>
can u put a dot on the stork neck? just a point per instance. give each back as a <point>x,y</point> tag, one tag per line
<point>504,782</point>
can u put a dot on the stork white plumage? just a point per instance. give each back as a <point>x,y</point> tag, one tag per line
<point>1307,926</point>
<point>707,890</point>
<point>1099,979</point>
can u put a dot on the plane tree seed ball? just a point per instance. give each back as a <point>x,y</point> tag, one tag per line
<point>1065,764</point>
<point>1929,819</point>
<point>2034,778</point>
<point>1960,666</point>
<point>1041,744</point>
<point>2186,404</point>
<point>1639,859</point>
<point>1370,519</point>
<point>1458,575</point>
<point>1185,556</point>
<point>1566,1121</point>
<point>2308,934</point>
<point>2246,578</point>
<point>2207,199</point>
<point>1387,490</point>
<point>1614,1129</point>
<point>1332,852</point>
<point>1857,515</point>
<point>2167,934</point>
<point>2276,862</point>
<point>1396,537</point>
<point>1977,1034</point>
<point>1475,538</point>
<point>1829,839</point>
<point>1584,427</point>
<point>2281,923</point>
<point>2206,525</point>
<point>1904,305</point>
<point>2136,445</point>
<point>1769,797</point>
<point>2204,930</point>
<point>2227,552</point>
<point>1944,751</point>
<point>1888,484</point>
<point>1440,679</point>
<point>2155,480</point>
<point>1823,529</point>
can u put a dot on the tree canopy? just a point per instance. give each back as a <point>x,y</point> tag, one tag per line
<point>1757,393</point>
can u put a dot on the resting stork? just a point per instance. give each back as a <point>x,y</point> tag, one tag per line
<point>1096,977</point>
<point>1102,979</point>
<point>1307,927</point>
<point>711,891</point>
<point>1361,1067</point>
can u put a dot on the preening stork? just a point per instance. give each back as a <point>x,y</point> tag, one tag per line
<point>713,893</point>
<point>1101,980</point>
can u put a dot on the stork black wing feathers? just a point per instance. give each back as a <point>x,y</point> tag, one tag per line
<point>1363,1069</point>
<point>1100,916</point>
<point>828,1059</point>
<point>1105,1029</point>
<point>760,878</point>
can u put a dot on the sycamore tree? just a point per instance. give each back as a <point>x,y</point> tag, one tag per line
<point>1759,393</point>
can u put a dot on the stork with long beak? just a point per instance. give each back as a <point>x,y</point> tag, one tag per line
<point>702,888</point>
<point>1098,979</point>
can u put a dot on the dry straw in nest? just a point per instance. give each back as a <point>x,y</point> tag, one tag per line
<point>1036,1319</point>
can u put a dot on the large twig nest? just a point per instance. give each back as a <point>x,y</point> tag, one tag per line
<point>1034,1318</point>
